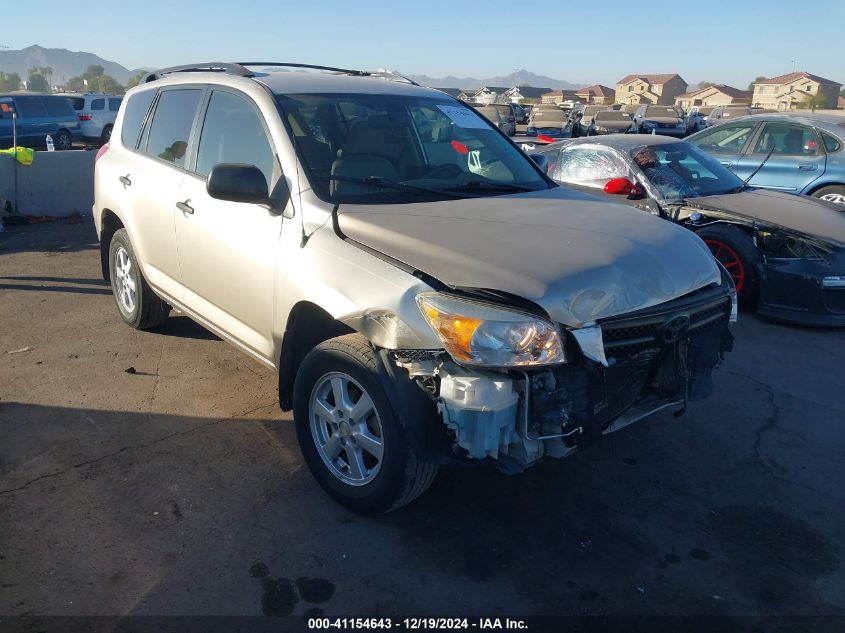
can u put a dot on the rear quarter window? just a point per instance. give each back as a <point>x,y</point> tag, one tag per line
<point>59,107</point>
<point>137,108</point>
<point>78,103</point>
<point>831,143</point>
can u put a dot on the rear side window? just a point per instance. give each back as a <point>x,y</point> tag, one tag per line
<point>133,118</point>
<point>114,105</point>
<point>59,107</point>
<point>30,107</point>
<point>78,103</point>
<point>98,104</point>
<point>171,126</point>
<point>233,133</point>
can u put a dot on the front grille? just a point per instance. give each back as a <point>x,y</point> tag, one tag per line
<point>635,332</point>
<point>415,355</point>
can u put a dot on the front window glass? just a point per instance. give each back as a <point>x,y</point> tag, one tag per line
<point>376,148</point>
<point>784,138</point>
<point>725,139</point>
<point>233,133</point>
<point>171,126</point>
<point>681,170</point>
<point>589,166</point>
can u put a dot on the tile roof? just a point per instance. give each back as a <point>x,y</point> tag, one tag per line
<point>801,74</point>
<point>652,79</point>
<point>597,90</point>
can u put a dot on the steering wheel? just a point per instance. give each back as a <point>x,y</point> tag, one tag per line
<point>445,171</point>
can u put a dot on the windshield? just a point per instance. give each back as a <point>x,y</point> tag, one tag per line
<point>613,115</point>
<point>681,170</point>
<point>661,112</point>
<point>377,148</point>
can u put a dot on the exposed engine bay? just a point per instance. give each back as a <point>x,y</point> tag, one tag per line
<point>653,359</point>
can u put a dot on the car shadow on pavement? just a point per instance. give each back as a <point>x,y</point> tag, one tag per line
<point>71,289</point>
<point>185,327</point>
<point>68,280</point>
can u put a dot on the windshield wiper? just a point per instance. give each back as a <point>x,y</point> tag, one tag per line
<point>385,183</point>
<point>481,185</point>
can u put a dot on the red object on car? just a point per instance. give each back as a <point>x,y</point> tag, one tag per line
<point>622,187</point>
<point>84,117</point>
<point>460,148</point>
<point>546,139</point>
<point>101,152</point>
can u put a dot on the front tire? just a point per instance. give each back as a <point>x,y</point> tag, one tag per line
<point>350,437</point>
<point>737,253</point>
<point>831,193</point>
<point>137,304</point>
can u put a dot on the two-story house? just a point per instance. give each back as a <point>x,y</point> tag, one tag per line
<point>660,89</point>
<point>786,92</point>
<point>596,95</point>
<point>715,95</point>
<point>558,96</point>
<point>525,94</point>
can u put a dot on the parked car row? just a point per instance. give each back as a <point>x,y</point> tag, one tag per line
<point>66,118</point>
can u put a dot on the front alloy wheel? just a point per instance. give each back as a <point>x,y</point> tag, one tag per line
<point>346,429</point>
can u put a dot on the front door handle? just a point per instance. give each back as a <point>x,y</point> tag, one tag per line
<point>807,167</point>
<point>184,207</point>
<point>125,180</point>
<point>726,163</point>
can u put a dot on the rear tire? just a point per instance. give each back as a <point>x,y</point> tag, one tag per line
<point>337,378</point>
<point>736,251</point>
<point>137,304</point>
<point>831,193</point>
<point>105,137</point>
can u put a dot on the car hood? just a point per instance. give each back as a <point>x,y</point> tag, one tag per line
<point>803,214</point>
<point>662,119</point>
<point>576,256</point>
<point>614,125</point>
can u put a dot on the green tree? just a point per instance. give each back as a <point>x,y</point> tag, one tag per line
<point>75,84</point>
<point>9,82</point>
<point>706,84</point>
<point>134,81</point>
<point>813,102</point>
<point>106,83</point>
<point>36,82</point>
<point>94,70</point>
<point>756,80</point>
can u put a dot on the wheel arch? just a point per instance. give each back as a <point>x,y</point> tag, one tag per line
<point>110,223</point>
<point>816,186</point>
<point>307,326</point>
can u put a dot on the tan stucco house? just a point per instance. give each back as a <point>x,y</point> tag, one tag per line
<point>660,89</point>
<point>715,95</point>
<point>787,91</point>
<point>558,96</point>
<point>596,95</point>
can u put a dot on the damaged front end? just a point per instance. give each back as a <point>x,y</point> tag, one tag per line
<point>617,371</point>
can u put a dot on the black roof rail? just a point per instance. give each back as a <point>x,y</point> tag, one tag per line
<point>240,69</point>
<point>205,67</point>
<point>343,71</point>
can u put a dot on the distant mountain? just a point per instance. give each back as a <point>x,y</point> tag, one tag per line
<point>518,78</point>
<point>65,63</point>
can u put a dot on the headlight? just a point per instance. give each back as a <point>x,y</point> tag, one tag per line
<point>599,128</point>
<point>487,335</point>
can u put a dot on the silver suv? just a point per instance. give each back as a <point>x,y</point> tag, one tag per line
<point>425,292</point>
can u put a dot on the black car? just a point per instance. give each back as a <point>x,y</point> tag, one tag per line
<point>786,253</point>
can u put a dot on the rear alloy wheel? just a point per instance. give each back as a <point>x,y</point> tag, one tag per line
<point>831,193</point>
<point>351,439</point>
<point>138,305</point>
<point>63,140</point>
<point>735,250</point>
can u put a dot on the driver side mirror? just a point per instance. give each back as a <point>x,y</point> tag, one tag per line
<point>622,187</point>
<point>541,160</point>
<point>237,182</point>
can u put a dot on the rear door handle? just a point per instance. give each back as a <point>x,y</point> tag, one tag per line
<point>184,207</point>
<point>726,163</point>
<point>125,180</point>
<point>807,167</point>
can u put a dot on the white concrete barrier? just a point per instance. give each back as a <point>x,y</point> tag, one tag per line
<point>56,183</point>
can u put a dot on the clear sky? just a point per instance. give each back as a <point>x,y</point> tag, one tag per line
<point>726,41</point>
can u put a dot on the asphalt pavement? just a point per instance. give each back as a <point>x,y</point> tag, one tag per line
<point>153,473</point>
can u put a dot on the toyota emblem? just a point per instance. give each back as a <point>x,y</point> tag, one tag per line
<point>675,328</point>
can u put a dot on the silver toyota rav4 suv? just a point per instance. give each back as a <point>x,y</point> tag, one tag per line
<point>425,292</point>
